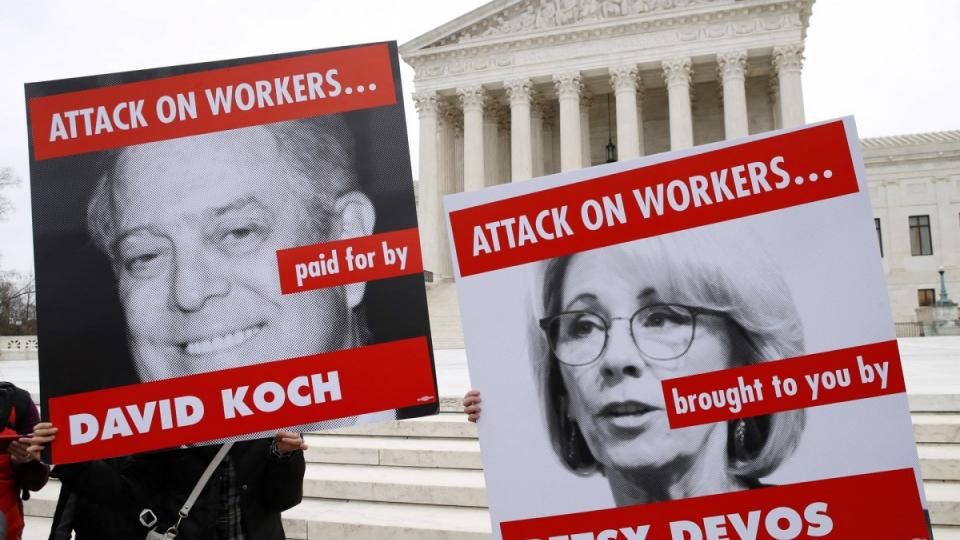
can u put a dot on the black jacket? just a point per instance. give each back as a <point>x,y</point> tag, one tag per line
<point>162,481</point>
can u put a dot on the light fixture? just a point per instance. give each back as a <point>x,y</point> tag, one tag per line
<point>611,148</point>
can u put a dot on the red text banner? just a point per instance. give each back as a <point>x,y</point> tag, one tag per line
<point>805,381</point>
<point>367,258</point>
<point>215,100</point>
<point>250,399</point>
<point>879,505</point>
<point>791,169</point>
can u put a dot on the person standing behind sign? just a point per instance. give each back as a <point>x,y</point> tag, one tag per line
<point>191,227</point>
<point>20,471</point>
<point>618,320</point>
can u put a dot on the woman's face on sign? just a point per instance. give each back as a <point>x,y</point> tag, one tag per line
<point>617,399</point>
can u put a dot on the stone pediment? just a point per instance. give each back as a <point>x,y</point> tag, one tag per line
<point>518,17</point>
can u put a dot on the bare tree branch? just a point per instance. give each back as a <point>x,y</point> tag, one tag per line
<point>7,179</point>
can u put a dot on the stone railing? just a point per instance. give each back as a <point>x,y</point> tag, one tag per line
<point>18,343</point>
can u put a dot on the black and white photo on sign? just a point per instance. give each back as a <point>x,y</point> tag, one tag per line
<point>569,354</point>
<point>158,260</point>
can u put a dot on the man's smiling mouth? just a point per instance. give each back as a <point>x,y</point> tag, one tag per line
<point>222,341</point>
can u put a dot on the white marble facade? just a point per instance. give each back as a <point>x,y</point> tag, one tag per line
<point>916,176</point>
<point>520,88</point>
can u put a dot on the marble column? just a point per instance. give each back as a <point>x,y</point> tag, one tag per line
<point>731,68</point>
<point>431,206</point>
<point>897,228</point>
<point>624,81</point>
<point>537,107</point>
<point>677,74</point>
<point>472,100</point>
<point>504,154</point>
<point>569,88</point>
<point>773,90</point>
<point>491,143</point>
<point>521,149</point>
<point>585,101</point>
<point>447,179</point>
<point>788,62</point>
<point>947,220</point>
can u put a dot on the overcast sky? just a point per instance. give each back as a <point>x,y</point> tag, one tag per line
<point>893,64</point>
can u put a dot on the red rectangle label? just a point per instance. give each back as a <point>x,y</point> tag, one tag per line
<point>216,100</point>
<point>790,169</point>
<point>835,376</point>
<point>878,505</point>
<point>367,258</point>
<point>250,399</point>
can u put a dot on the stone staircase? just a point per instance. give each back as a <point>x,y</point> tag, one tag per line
<point>422,479</point>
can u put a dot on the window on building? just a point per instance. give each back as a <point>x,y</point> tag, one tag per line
<point>876,221</point>
<point>920,242</point>
<point>925,297</point>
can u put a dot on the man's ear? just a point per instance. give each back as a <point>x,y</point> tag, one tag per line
<point>355,217</point>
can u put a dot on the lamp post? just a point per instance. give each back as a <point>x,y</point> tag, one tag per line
<point>944,298</point>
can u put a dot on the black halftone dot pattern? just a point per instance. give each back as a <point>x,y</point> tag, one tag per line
<point>752,318</point>
<point>84,334</point>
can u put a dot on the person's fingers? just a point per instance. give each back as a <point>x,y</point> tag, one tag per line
<point>289,441</point>
<point>473,409</point>
<point>473,396</point>
<point>44,429</point>
<point>473,417</point>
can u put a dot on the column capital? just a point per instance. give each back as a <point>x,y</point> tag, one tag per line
<point>624,77</point>
<point>677,71</point>
<point>788,57</point>
<point>519,91</point>
<point>425,102</point>
<point>503,118</point>
<point>568,84</point>
<point>731,65</point>
<point>586,98</point>
<point>472,97</point>
<point>538,107</point>
<point>450,114</point>
<point>773,88</point>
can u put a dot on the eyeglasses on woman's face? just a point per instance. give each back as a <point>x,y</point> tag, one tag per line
<point>661,332</point>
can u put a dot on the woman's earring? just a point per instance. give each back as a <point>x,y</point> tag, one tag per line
<point>573,444</point>
<point>740,452</point>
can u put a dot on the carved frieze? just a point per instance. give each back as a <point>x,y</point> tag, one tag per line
<point>532,15</point>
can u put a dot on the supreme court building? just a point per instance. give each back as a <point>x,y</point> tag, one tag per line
<point>522,88</point>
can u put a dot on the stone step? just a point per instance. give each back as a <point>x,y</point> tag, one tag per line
<point>945,532</point>
<point>923,403</point>
<point>391,502</point>
<point>444,425</point>
<point>939,461</point>
<point>43,503</point>
<point>417,485</point>
<point>944,500</point>
<point>936,427</point>
<point>365,520</point>
<point>36,528</point>
<point>395,451</point>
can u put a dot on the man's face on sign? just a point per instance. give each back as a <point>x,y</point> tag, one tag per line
<point>199,221</point>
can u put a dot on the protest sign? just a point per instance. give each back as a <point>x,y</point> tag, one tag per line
<point>692,345</point>
<point>226,249</point>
